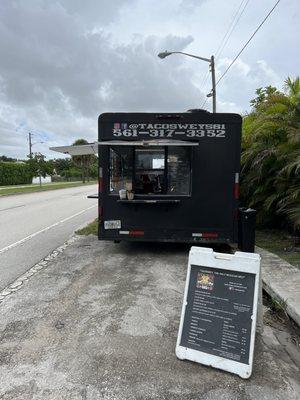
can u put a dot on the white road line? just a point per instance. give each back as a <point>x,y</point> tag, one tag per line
<point>11,208</point>
<point>44,230</point>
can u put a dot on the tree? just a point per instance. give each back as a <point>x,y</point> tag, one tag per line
<point>271,155</point>
<point>39,166</point>
<point>262,95</point>
<point>84,162</point>
<point>62,164</point>
<point>7,159</point>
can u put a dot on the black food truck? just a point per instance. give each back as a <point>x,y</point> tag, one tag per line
<point>168,177</point>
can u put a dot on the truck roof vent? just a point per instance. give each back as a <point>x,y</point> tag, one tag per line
<point>198,111</point>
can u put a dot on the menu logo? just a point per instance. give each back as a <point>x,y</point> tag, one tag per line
<point>205,281</point>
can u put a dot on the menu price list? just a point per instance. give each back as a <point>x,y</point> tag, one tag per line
<point>218,315</point>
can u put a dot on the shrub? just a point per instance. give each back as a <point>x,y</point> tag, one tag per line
<point>270,180</point>
<point>14,174</point>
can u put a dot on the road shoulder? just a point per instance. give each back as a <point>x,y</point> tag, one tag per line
<point>101,321</point>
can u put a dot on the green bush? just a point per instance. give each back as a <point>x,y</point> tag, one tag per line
<point>72,174</point>
<point>270,180</point>
<point>14,174</point>
<point>93,171</point>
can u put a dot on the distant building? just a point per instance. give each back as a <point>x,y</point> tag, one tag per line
<point>47,179</point>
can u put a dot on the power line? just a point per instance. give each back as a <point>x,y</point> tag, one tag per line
<point>204,102</point>
<point>221,48</point>
<point>232,20</point>
<point>248,41</point>
<point>232,25</point>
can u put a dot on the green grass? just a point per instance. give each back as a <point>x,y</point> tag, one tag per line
<point>278,306</point>
<point>280,243</point>
<point>19,189</point>
<point>90,229</point>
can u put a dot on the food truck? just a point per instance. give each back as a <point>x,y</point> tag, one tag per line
<point>167,177</point>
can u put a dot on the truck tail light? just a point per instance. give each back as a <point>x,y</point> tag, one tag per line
<point>100,184</point>
<point>210,235</point>
<point>136,233</point>
<point>236,186</point>
<point>100,181</point>
<point>132,233</point>
<point>236,190</point>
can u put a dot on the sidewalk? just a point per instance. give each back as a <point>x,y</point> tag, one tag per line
<point>100,321</point>
<point>281,281</point>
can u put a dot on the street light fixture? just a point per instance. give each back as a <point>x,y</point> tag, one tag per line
<point>211,62</point>
<point>164,54</point>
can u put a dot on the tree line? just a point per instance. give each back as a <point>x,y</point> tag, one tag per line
<point>15,172</point>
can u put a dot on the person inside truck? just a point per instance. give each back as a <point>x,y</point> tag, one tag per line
<point>148,184</point>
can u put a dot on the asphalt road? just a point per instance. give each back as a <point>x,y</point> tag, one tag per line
<point>34,224</point>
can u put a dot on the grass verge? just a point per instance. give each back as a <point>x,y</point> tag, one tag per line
<point>6,191</point>
<point>90,229</point>
<point>280,243</point>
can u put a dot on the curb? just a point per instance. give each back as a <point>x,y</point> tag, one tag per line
<point>22,279</point>
<point>281,281</point>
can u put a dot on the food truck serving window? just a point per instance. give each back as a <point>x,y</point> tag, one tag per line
<point>120,167</point>
<point>163,170</point>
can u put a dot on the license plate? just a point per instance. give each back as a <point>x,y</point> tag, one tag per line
<point>116,224</point>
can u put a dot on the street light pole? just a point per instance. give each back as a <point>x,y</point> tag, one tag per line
<point>30,144</point>
<point>213,81</point>
<point>211,62</point>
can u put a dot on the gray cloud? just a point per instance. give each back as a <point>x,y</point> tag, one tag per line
<point>65,62</point>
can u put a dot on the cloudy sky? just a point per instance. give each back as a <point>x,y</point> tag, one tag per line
<point>64,62</point>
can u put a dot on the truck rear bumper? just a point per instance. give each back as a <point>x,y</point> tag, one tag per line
<point>171,236</point>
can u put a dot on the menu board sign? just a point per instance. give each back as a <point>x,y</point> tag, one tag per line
<point>219,311</point>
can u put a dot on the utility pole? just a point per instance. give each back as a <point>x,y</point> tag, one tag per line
<point>213,78</point>
<point>30,144</point>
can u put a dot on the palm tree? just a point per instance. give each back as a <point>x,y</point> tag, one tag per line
<point>271,154</point>
<point>83,161</point>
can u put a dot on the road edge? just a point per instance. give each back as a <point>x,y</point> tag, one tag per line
<point>43,263</point>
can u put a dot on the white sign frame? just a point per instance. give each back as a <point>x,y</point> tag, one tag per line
<point>238,262</point>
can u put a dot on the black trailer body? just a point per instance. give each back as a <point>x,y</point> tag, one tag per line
<point>184,172</point>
